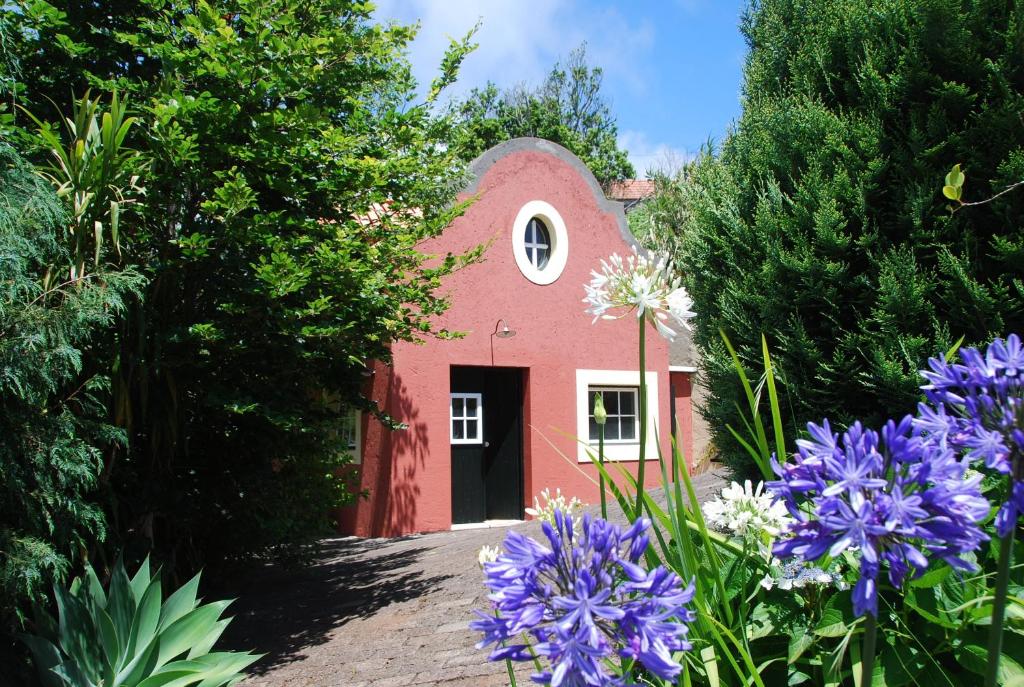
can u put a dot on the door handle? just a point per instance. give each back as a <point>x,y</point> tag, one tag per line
<point>487,444</point>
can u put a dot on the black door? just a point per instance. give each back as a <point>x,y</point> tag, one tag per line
<point>486,429</point>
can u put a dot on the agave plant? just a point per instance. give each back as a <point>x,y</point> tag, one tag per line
<point>129,636</point>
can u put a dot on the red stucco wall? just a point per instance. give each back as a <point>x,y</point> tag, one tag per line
<point>682,392</point>
<point>408,472</point>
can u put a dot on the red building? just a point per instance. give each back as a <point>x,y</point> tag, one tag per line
<point>492,418</point>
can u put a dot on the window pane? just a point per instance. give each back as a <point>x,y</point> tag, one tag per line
<point>628,430</point>
<point>611,402</point>
<point>458,409</point>
<point>626,403</point>
<point>457,430</point>
<point>593,429</point>
<point>591,398</point>
<point>542,258</point>
<point>471,432</point>
<point>471,407</point>
<point>529,255</point>
<point>611,430</point>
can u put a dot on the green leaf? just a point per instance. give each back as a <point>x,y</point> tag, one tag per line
<point>952,192</point>
<point>837,617</point>
<point>955,177</point>
<point>190,630</point>
<point>180,602</point>
<point>800,640</point>
<point>45,656</point>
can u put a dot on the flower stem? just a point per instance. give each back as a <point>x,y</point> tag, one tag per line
<point>643,420</point>
<point>600,459</point>
<point>511,673</point>
<point>868,655</point>
<point>995,633</point>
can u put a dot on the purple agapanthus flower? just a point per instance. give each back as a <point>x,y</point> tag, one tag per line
<point>894,500</point>
<point>583,599</point>
<point>979,411</point>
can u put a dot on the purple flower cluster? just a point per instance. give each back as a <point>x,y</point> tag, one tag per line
<point>582,601</point>
<point>893,499</point>
<point>979,411</point>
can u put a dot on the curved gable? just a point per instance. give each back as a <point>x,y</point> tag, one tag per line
<point>483,164</point>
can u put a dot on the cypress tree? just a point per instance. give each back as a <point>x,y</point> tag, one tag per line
<point>821,223</point>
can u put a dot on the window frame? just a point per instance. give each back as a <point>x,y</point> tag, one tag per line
<point>463,418</point>
<point>558,240</point>
<point>620,451</point>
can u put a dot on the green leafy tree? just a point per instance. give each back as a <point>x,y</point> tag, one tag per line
<point>568,108</point>
<point>292,176</point>
<point>821,221</point>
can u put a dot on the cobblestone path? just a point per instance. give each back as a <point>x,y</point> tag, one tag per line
<point>382,612</point>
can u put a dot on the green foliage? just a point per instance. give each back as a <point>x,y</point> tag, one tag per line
<point>821,222</point>
<point>129,636</point>
<point>95,173</point>
<point>291,179</point>
<point>568,108</point>
<point>52,409</point>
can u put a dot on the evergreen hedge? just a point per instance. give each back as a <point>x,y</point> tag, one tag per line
<point>820,222</point>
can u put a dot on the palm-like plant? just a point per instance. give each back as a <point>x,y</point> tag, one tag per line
<point>96,172</point>
<point>128,636</point>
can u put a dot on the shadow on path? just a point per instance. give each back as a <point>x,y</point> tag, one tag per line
<point>281,612</point>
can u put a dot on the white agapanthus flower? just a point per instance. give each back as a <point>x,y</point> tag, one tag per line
<point>573,506</point>
<point>747,511</point>
<point>488,554</point>
<point>642,284</point>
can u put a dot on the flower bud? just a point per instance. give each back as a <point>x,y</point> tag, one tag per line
<point>600,414</point>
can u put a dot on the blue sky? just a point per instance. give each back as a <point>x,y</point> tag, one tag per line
<point>672,68</point>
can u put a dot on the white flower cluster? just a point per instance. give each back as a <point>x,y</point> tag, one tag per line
<point>747,511</point>
<point>573,507</point>
<point>642,284</point>
<point>488,554</point>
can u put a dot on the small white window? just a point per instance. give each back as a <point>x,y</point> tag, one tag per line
<point>467,415</point>
<point>350,434</point>
<point>623,423</point>
<point>540,242</point>
<point>621,390</point>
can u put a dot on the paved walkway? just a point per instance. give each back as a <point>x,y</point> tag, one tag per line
<point>382,612</point>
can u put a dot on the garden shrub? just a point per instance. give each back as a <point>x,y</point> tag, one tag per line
<point>52,411</point>
<point>820,220</point>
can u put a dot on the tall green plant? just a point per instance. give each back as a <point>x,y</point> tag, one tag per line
<point>130,636</point>
<point>96,173</point>
<point>818,221</point>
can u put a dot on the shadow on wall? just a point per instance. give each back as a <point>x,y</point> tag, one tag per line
<point>283,612</point>
<point>394,492</point>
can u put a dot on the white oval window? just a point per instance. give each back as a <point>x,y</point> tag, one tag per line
<point>540,242</point>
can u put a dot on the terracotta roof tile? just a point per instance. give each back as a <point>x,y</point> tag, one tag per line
<point>631,189</point>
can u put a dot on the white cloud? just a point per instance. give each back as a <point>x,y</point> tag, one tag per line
<point>647,155</point>
<point>520,41</point>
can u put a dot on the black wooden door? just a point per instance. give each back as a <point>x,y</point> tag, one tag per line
<point>486,418</point>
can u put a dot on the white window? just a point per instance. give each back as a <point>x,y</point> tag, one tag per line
<point>540,242</point>
<point>350,434</point>
<point>623,422</point>
<point>621,391</point>
<point>467,419</point>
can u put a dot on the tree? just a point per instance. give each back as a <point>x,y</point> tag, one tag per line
<point>53,426</point>
<point>568,108</point>
<point>291,177</point>
<point>821,222</point>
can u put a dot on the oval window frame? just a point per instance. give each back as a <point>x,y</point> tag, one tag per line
<point>558,255</point>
